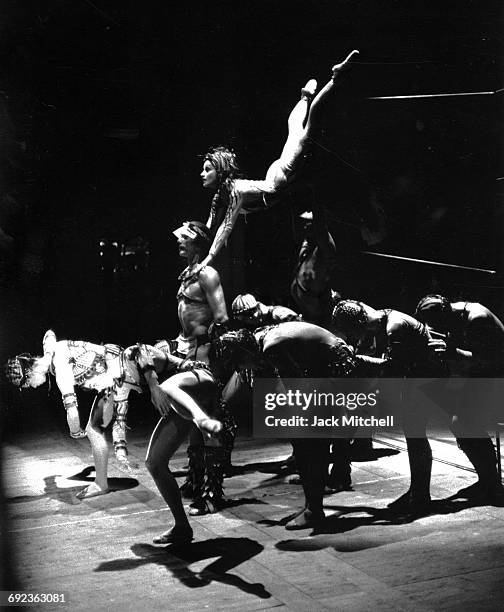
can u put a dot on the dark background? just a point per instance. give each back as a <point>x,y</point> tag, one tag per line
<point>106,108</point>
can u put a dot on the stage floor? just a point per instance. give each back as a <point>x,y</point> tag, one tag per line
<point>100,552</point>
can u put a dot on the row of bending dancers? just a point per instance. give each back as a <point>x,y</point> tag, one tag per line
<point>192,380</point>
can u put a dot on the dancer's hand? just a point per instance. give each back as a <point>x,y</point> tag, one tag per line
<point>160,400</point>
<point>144,358</point>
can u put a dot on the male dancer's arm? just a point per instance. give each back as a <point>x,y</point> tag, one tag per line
<point>211,286</point>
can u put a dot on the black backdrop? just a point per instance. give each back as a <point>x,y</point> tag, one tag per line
<point>106,108</point>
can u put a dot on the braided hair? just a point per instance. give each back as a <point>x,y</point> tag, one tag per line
<point>224,162</point>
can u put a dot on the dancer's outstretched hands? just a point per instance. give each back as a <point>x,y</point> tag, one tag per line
<point>337,68</point>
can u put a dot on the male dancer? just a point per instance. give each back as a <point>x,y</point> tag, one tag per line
<point>408,351</point>
<point>475,349</point>
<point>201,306</point>
<point>294,350</point>
<point>253,314</point>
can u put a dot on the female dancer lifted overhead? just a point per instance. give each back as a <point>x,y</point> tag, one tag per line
<point>234,195</point>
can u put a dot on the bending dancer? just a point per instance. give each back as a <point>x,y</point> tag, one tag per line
<point>111,371</point>
<point>76,363</point>
<point>250,313</point>
<point>408,351</point>
<point>201,305</point>
<point>294,350</point>
<point>253,314</point>
<point>234,195</point>
<point>475,349</point>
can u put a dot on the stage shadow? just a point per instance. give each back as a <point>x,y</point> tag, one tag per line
<point>84,474</point>
<point>341,521</point>
<point>242,501</point>
<point>115,484</point>
<point>234,470</point>
<point>232,552</point>
<point>373,455</point>
<point>329,533</point>
<point>67,495</point>
<point>281,468</point>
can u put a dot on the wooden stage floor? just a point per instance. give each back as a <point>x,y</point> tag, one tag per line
<point>99,551</point>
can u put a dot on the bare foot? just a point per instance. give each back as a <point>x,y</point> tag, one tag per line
<point>93,490</point>
<point>77,435</point>
<point>176,535</point>
<point>210,427</point>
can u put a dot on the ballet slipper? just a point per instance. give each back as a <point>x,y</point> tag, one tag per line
<point>344,64</point>
<point>309,90</point>
<point>92,491</point>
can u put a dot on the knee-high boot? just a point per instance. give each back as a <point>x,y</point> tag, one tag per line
<point>227,436</point>
<point>211,494</point>
<point>193,484</point>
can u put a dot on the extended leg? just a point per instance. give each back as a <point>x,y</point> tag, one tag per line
<point>303,121</point>
<point>185,405</point>
<point>318,105</point>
